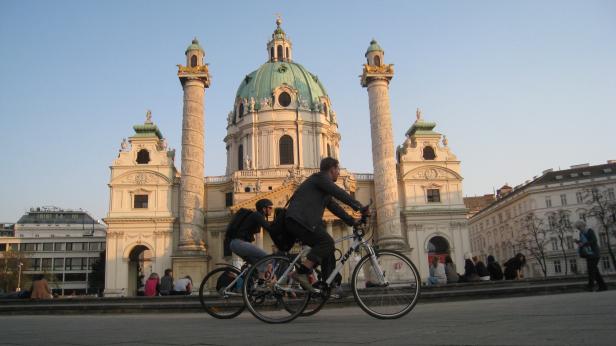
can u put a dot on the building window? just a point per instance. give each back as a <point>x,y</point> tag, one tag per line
<point>603,239</point>
<point>143,157</point>
<point>240,110</point>
<point>103,246</point>
<point>279,51</point>
<point>428,153</point>
<point>573,265</point>
<point>329,151</point>
<point>563,200</point>
<point>47,246</point>
<point>548,202</point>
<point>287,51</point>
<point>46,264</point>
<point>94,246</point>
<point>557,268</point>
<point>141,202</point>
<point>579,197</point>
<point>554,243</point>
<point>286,150</point>
<point>605,263</point>
<point>58,264</point>
<point>29,247</point>
<point>325,109</point>
<point>228,199</point>
<point>610,194</point>
<point>35,264</point>
<point>58,247</point>
<point>193,61</point>
<point>570,244</point>
<point>272,52</point>
<point>240,157</point>
<point>284,99</point>
<point>582,216</point>
<point>377,60</point>
<point>2,247</point>
<point>434,196</point>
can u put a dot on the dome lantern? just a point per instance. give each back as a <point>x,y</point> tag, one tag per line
<point>279,47</point>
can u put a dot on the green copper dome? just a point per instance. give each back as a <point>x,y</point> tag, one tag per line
<point>194,46</point>
<point>374,46</point>
<point>261,83</point>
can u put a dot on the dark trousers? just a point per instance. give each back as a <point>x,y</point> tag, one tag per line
<point>321,243</point>
<point>593,273</point>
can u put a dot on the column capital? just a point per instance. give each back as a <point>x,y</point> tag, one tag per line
<point>371,73</point>
<point>197,73</point>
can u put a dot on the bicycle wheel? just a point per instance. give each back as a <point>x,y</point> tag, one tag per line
<point>392,296</point>
<point>269,300</point>
<point>217,298</point>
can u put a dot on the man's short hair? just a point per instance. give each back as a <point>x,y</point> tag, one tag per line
<point>327,163</point>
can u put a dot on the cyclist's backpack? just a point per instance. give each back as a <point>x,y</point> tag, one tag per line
<point>233,227</point>
<point>283,239</point>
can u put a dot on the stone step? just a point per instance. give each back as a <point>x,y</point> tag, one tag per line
<point>93,305</point>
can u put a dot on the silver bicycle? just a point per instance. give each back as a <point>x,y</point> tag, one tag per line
<point>385,283</point>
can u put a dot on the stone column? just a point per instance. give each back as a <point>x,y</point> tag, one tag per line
<point>376,79</point>
<point>191,187</point>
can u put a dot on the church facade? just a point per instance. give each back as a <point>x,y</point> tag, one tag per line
<point>281,125</point>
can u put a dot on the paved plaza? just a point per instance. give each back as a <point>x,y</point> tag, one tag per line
<point>564,319</point>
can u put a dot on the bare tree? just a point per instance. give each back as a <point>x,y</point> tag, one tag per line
<point>602,207</point>
<point>560,225</point>
<point>534,239</point>
<point>10,261</point>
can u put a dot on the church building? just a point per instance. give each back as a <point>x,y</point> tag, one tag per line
<point>281,125</point>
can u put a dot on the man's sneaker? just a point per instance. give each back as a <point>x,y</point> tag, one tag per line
<point>303,280</point>
<point>338,293</point>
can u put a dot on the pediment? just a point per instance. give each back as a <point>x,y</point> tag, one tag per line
<point>432,173</point>
<point>141,178</point>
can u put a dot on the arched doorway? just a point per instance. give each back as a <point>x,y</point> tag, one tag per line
<point>139,263</point>
<point>438,247</point>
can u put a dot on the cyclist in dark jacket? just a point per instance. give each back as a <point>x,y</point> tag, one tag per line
<point>241,240</point>
<point>304,217</point>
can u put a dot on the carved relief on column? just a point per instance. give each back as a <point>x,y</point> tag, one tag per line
<point>383,158</point>
<point>192,201</point>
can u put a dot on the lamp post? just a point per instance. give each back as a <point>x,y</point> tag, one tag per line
<point>19,277</point>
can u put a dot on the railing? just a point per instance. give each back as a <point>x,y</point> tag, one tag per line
<point>364,176</point>
<point>217,179</point>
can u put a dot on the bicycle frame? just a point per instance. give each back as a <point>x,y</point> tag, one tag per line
<point>225,291</point>
<point>355,245</point>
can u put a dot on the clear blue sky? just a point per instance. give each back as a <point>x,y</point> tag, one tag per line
<point>517,86</point>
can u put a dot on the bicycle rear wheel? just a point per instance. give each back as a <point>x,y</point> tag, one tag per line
<point>217,298</point>
<point>393,295</point>
<point>269,300</point>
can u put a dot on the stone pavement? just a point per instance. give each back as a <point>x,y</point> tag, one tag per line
<point>564,319</point>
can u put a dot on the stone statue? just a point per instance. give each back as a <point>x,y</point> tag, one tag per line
<point>247,163</point>
<point>252,104</point>
<point>230,118</point>
<point>263,103</point>
<point>258,185</point>
<point>445,141</point>
<point>333,116</point>
<point>418,114</point>
<point>237,185</point>
<point>148,117</point>
<point>124,145</point>
<point>164,143</point>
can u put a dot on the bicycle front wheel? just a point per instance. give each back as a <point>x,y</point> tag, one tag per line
<point>269,298</point>
<point>219,295</point>
<point>386,287</point>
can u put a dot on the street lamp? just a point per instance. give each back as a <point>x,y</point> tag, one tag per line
<point>19,277</point>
